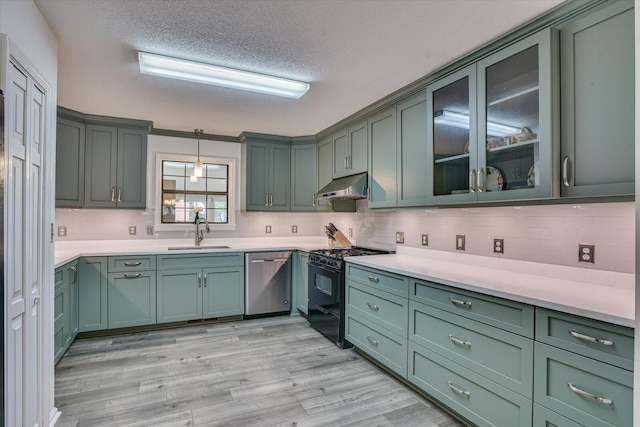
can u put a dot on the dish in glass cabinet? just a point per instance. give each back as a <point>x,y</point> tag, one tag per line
<point>494,180</point>
<point>533,177</point>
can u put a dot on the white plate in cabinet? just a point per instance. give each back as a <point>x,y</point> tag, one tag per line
<point>384,309</point>
<point>501,356</point>
<point>602,341</point>
<point>467,393</point>
<point>511,316</point>
<point>386,347</point>
<point>584,390</point>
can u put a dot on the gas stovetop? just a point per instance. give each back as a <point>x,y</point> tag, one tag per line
<point>332,258</point>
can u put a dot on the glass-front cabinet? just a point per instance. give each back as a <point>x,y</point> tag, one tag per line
<point>491,127</point>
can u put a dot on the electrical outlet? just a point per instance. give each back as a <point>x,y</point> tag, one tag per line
<point>460,242</point>
<point>150,230</point>
<point>132,230</point>
<point>498,246</point>
<point>350,232</point>
<point>399,237</point>
<point>294,229</point>
<point>425,240</point>
<point>267,229</point>
<point>586,253</point>
<point>62,231</point>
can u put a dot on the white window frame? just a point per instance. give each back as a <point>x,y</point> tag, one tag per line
<point>231,191</point>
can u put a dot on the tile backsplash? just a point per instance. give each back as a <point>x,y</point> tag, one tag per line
<point>548,234</point>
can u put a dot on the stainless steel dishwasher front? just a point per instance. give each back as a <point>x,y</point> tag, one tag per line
<point>267,282</point>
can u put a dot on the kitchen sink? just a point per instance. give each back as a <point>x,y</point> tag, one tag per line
<point>186,248</point>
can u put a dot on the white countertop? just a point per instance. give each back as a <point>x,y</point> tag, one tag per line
<point>597,294</point>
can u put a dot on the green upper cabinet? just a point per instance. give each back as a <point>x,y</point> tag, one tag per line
<point>115,162</point>
<point>382,159</point>
<point>325,167</point>
<point>491,127</point>
<point>598,139</point>
<point>70,144</point>
<point>303,177</point>
<point>412,151</point>
<point>350,150</point>
<point>266,163</point>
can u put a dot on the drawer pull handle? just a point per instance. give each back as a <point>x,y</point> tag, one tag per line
<point>132,263</point>
<point>372,341</point>
<point>373,306</point>
<point>583,393</point>
<point>456,301</point>
<point>459,341</point>
<point>590,339</point>
<point>132,276</point>
<point>460,392</point>
<point>373,279</point>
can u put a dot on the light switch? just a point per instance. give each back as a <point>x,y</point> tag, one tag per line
<point>62,231</point>
<point>460,242</point>
<point>132,230</point>
<point>267,229</point>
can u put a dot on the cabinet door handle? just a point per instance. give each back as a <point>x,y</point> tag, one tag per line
<point>374,279</point>
<point>313,197</point>
<point>588,395</point>
<point>132,263</point>
<point>205,280</point>
<point>481,181</point>
<point>457,301</point>
<point>348,162</point>
<point>459,341</point>
<point>565,171</point>
<point>373,341</point>
<point>266,199</point>
<point>199,280</point>
<point>373,306</point>
<point>345,162</point>
<point>132,276</point>
<point>271,199</point>
<point>459,391</point>
<point>113,194</point>
<point>119,194</point>
<point>472,180</point>
<point>590,339</point>
<point>75,273</point>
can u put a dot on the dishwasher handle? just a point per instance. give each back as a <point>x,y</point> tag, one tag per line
<point>270,260</point>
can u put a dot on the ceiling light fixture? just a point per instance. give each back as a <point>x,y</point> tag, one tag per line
<point>182,69</point>
<point>197,166</point>
<point>461,120</point>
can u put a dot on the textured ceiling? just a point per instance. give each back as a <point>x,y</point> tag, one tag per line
<point>353,52</point>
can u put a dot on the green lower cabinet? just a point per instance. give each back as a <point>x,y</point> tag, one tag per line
<point>302,281</point>
<point>467,393</point>
<point>60,319</point>
<point>92,294</point>
<point>132,299</point>
<point>65,308</point>
<point>582,389</point>
<point>179,295</point>
<point>543,417</point>
<point>223,292</point>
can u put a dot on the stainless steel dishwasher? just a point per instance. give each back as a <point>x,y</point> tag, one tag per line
<point>267,282</point>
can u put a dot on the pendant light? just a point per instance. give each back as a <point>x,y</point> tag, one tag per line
<point>197,167</point>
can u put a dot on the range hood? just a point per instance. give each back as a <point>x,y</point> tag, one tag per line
<point>348,188</point>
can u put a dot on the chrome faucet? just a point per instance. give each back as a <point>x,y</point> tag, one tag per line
<point>199,233</point>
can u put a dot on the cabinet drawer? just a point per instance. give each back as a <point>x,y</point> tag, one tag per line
<point>543,417</point>
<point>388,282</point>
<point>508,315</point>
<point>606,342</point>
<point>472,396</point>
<point>384,346</point>
<point>132,263</point>
<point>501,356</point>
<point>557,371</point>
<point>169,262</point>
<point>382,308</point>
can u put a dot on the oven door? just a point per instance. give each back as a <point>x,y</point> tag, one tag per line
<point>324,288</point>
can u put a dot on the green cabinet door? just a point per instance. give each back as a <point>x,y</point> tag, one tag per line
<point>101,166</point>
<point>92,294</point>
<point>257,176</point>
<point>302,281</point>
<point>61,302</point>
<point>325,162</point>
<point>597,97</point>
<point>340,142</point>
<point>70,145</point>
<point>382,159</point>
<point>412,151</point>
<point>303,177</point>
<point>132,299</point>
<point>74,294</point>
<point>179,294</point>
<point>279,177</point>
<point>357,160</point>
<point>132,168</point>
<point>223,291</point>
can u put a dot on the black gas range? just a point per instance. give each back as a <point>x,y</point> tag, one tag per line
<point>327,289</point>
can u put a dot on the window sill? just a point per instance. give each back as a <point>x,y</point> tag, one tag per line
<point>189,227</point>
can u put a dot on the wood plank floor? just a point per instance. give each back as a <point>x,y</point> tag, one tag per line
<point>266,372</point>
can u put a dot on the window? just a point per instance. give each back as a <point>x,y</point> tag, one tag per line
<point>182,193</point>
